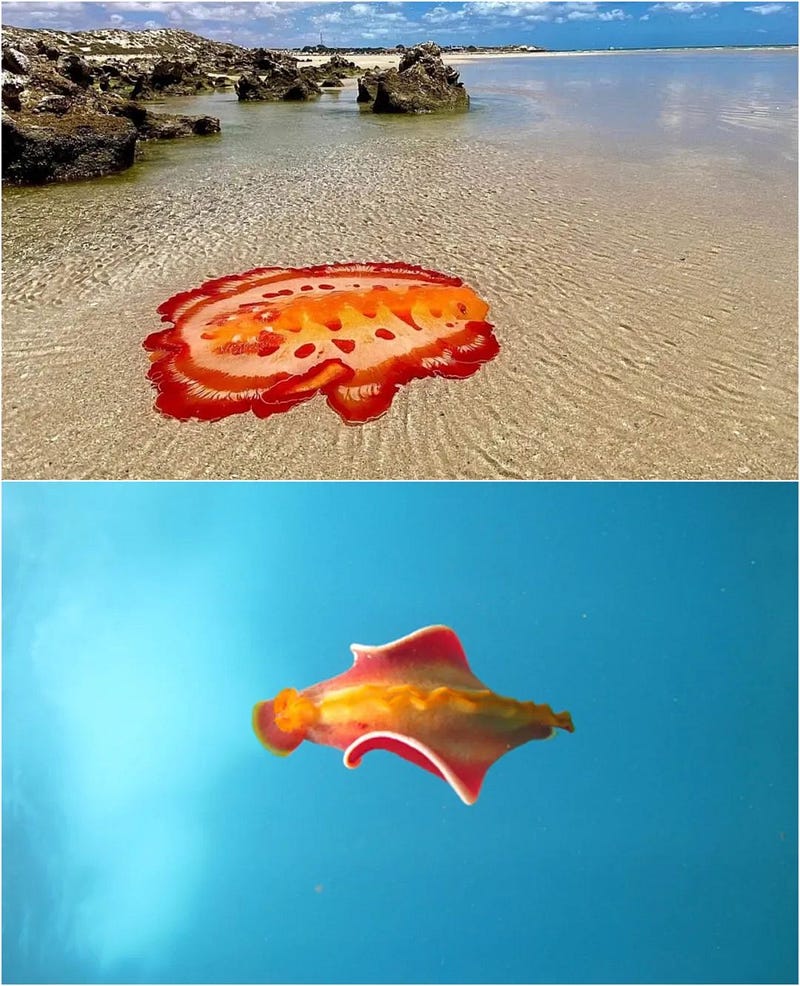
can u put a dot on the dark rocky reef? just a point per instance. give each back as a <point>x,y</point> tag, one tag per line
<point>163,126</point>
<point>275,80</point>
<point>338,63</point>
<point>171,77</point>
<point>72,102</point>
<point>45,147</point>
<point>62,118</point>
<point>421,84</point>
<point>277,76</point>
<point>368,86</point>
<point>142,64</point>
<point>337,67</point>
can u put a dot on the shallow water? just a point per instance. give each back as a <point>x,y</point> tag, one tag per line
<point>631,220</point>
<point>147,836</point>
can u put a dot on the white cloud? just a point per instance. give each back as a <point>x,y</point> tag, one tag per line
<point>63,16</point>
<point>335,17</point>
<point>266,10</point>
<point>695,10</point>
<point>135,6</point>
<point>673,8</point>
<point>598,15</point>
<point>545,12</point>
<point>504,8</point>
<point>440,15</point>
<point>766,8</point>
<point>364,22</point>
<point>210,12</point>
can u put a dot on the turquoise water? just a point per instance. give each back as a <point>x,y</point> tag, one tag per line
<point>147,836</point>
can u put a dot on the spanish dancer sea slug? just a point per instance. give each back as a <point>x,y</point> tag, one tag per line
<point>271,338</point>
<point>415,697</point>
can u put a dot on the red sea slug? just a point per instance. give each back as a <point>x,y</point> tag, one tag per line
<point>271,338</point>
<point>416,697</point>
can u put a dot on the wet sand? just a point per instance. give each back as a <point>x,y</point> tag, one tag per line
<point>637,246</point>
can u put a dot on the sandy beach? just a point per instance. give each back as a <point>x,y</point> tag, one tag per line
<point>383,61</point>
<point>637,248</point>
<point>391,61</point>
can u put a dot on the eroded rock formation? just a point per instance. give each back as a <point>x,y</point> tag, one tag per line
<point>422,83</point>
<point>60,122</point>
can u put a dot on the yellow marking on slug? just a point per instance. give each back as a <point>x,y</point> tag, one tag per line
<point>373,702</point>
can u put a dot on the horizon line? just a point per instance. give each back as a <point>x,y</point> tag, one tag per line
<point>389,48</point>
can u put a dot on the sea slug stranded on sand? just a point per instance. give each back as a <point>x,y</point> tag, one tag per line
<point>273,337</point>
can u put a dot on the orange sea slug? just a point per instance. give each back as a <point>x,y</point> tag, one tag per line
<point>273,337</point>
<point>415,697</point>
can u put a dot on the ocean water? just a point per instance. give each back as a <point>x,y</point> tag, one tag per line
<point>147,835</point>
<point>631,219</point>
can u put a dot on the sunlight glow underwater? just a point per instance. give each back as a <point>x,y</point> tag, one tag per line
<point>121,745</point>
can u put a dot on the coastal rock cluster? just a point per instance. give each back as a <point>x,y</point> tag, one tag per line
<point>63,118</point>
<point>72,102</point>
<point>277,76</point>
<point>422,83</point>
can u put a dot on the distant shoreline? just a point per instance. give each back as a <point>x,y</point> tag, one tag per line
<point>388,59</point>
<point>522,51</point>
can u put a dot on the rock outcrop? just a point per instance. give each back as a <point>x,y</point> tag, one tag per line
<point>276,76</point>
<point>265,59</point>
<point>421,84</point>
<point>12,91</point>
<point>368,86</point>
<point>72,103</point>
<point>338,63</point>
<point>171,77</point>
<point>59,122</point>
<point>45,147</point>
<point>164,126</point>
<point>76,69</point>
<point>330,74</point>
<point>275,81</point>
<point>133,64</point>
<point>250,88</point>
<point>15,61</point>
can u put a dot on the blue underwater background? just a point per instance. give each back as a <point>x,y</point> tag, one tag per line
<point>147,836</point>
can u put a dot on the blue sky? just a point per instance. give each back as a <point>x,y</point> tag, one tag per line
<point>556,25</point>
